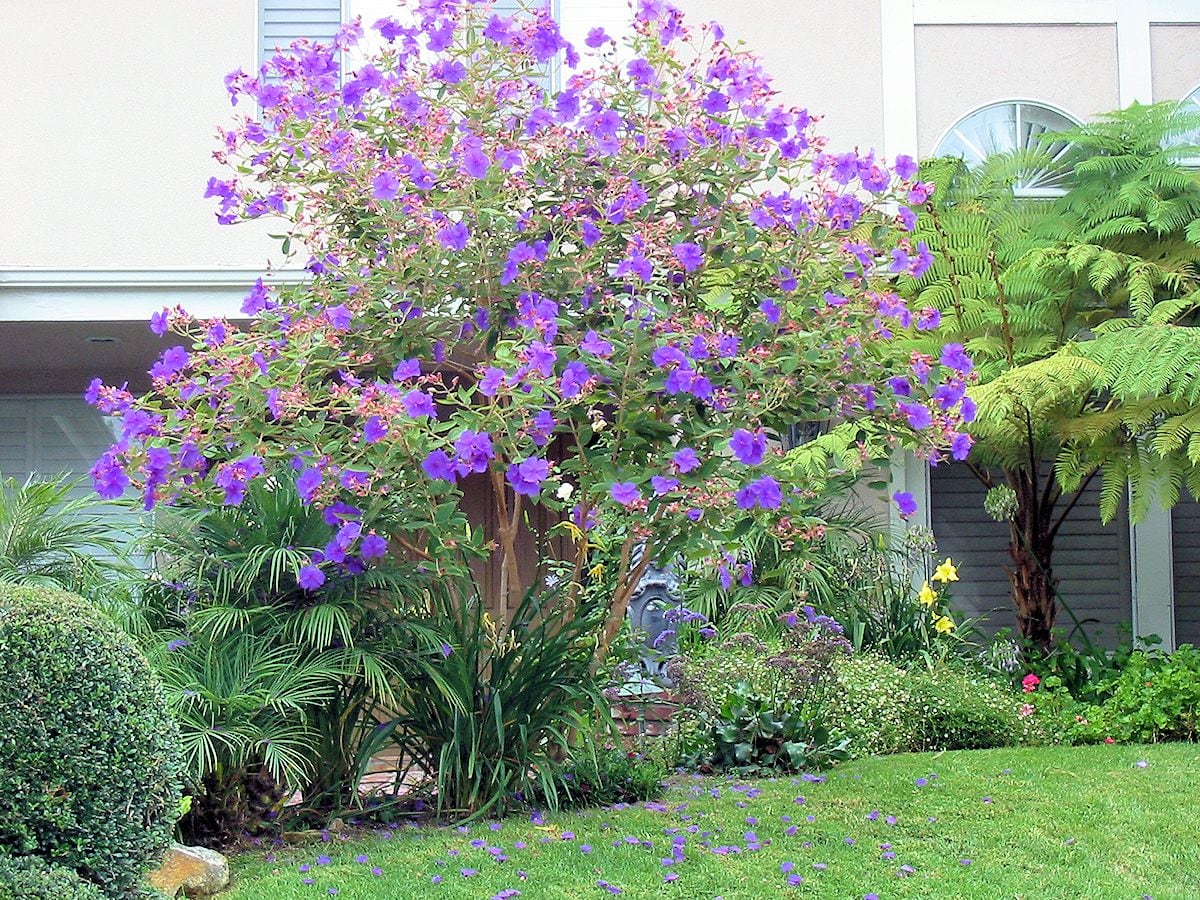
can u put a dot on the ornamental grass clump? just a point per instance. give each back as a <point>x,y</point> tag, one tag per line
<point>599,298</point>
<point>89,754</point>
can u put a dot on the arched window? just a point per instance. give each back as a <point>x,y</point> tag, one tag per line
<point>1008,126</point>
<point>1190,104</point>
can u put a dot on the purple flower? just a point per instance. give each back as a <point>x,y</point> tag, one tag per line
<point>385,186</point>
<point>922,261</point>
<point>474,451</point>
<point>918,415</point>
<point>454,236</point>
<point>374,430</point>
<point>449,71</point>
<point>635,264</point>
<point>929,319</point>
<point>905,503</point>
<point>590,233</point>
<point>339,316</point>
<point>625,492</point>
<point>905,166</point>
<point>960,445</point>
<point>311,578</point>
<point>174,360</point>
<point>596,38</point>
<point>748,447</point>
<point>373,547</point>
<point>574,377</point>
<point>690,256</point>
<point>471,158</point>
<point>417,404</point>
<point>526,477</point>
<point>307,483</point>
<point>967,409</point>
<point>446,650</point>
<point>491,381</point>
<point>592,343</point>
<point>438,466</point>
<point>406,369</point>
<point>770,309</point>
<point>954,357</point>
<point>685,460</point>
<point>160,322</point>
<point>663,485</point>
<point>908,218</point>
<point>764,492</point>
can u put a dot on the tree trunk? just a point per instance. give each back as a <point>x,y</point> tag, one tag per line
<point>1031,547</point>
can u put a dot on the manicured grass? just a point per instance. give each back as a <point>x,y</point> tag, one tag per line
<point>1087,822</point>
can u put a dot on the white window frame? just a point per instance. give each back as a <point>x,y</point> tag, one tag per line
<point>1019,103</point>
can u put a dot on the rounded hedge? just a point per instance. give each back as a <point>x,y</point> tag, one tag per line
<point>32,878</point>
<point>90,763</point>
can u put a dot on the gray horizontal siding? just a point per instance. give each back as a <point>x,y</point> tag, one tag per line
<point>1091,561</point>
<point>1185,542</point>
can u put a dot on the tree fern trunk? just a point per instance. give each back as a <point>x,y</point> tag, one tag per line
<point>1031,546</point>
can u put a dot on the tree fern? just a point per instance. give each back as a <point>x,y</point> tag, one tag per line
<point>1079,313</point>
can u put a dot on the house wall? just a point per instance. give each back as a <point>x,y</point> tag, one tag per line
<point>1071,67</point>
<point>1174,60</point>
<point>824,56</point>
<point>110,131</point>
<point>1090,562</point>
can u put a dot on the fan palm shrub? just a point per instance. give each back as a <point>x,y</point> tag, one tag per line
<point>276,686</point>
<point>52,536</point>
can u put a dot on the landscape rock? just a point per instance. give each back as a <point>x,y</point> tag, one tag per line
<point>196,871</point>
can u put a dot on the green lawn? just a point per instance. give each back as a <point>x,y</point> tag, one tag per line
<point>1088,822</point>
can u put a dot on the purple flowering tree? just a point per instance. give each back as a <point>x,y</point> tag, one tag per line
<point>599,299</point>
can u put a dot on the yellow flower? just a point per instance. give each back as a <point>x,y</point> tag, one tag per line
<point>945,572</point>
<point>944,625</point>
<point>928,595</point>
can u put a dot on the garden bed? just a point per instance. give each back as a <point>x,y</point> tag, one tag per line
<point>1099,821</point>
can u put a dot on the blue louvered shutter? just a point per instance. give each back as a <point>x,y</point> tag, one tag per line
<point>282,21</point>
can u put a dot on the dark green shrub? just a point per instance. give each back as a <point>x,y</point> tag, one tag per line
<point>89,753</point>
<point>962,710</point>
<point>611,775</point>
<point>32,878</point>
<point>1155,698</point>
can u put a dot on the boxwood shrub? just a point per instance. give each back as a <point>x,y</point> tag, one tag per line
<point>32,878</point>
<point>90,765</point>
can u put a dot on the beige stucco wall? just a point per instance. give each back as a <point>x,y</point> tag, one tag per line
<point>824,56</point>
<point>1175,60</point>
<point>960,68</point>
<point>108,132</point>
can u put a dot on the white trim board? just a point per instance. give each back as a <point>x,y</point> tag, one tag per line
<point>127,295</point>
<point>1048,12</point>
<point>1013,12</point>
<point>898,58</point>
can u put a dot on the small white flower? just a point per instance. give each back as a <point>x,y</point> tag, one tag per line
<point>565,490</point>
